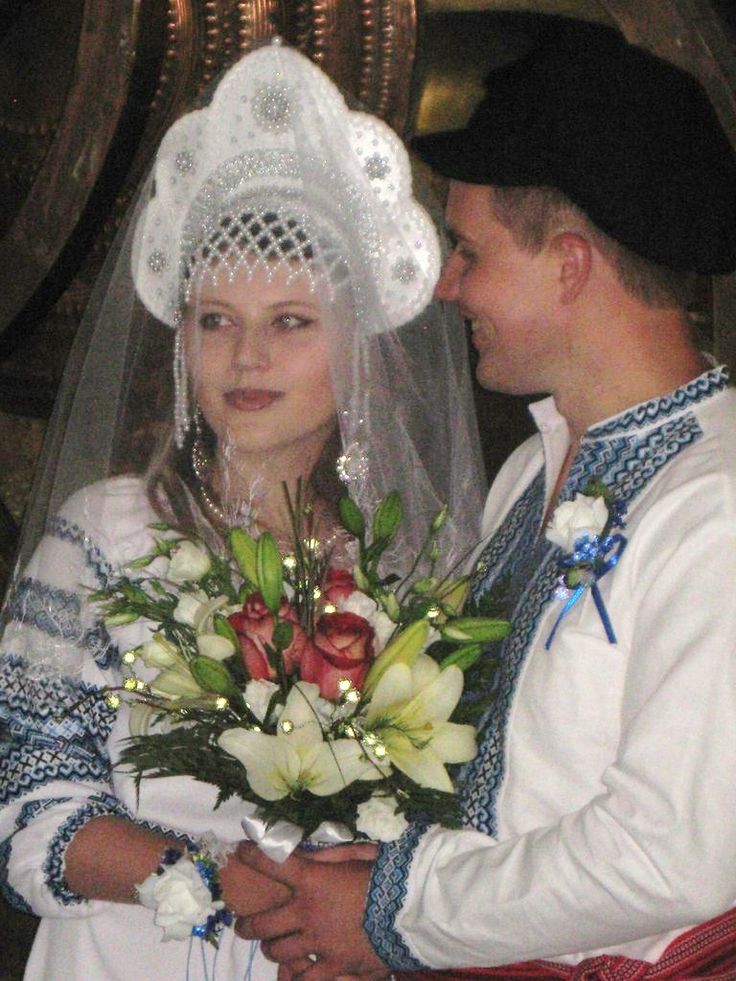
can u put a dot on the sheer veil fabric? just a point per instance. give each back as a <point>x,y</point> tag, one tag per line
<point>276,175</point>
<point>282,229</point>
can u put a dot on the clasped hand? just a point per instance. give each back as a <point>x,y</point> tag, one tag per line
<point>310,919</point>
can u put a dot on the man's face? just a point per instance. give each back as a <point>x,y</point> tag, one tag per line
<point>505,292</point>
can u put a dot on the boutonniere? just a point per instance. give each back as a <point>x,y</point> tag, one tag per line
<point>584,529</point>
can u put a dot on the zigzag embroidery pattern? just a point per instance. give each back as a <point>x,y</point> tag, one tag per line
<point>43,737</point>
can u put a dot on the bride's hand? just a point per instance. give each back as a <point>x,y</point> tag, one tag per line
<point>247,891</point>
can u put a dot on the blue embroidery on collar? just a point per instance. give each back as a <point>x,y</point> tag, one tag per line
<point>647,413</point>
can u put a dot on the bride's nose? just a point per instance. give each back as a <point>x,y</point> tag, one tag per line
<point>251,350</point>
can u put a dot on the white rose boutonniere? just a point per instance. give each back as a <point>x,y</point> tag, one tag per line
<point>584,529</point>
<point>582,516</point>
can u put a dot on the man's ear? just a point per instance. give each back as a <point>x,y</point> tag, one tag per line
<point>574,254</point>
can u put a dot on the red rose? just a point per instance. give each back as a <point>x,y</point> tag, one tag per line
<point>338,585</point>
<point>254,627</point>
<point>342,648</point>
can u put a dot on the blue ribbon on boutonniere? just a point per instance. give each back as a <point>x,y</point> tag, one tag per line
<point>592,558</point>
<point>587,522</point>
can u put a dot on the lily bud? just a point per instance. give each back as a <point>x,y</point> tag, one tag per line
<point>212,676</point>
<point>269,572</point>
<point>439,520</point>
<point>243,547</point>
<point>121,619</point>
<point>480,629</point>
<point>464,657</point>
<point>176,682</point>
<point>388,516</point>
<point>158,652</point>
<point>351,516</point>
<point>454,595</point>
<point>391,606</point>
<point>403,649</point>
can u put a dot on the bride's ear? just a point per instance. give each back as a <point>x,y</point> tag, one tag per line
<point>575,257</point>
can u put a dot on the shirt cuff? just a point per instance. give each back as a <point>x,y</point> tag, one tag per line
<point>386,896</point>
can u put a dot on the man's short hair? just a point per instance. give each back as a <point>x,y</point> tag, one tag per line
<point>533,214</point>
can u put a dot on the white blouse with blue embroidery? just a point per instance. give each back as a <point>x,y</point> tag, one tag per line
<point>600,808</point>
<point>58,747</point>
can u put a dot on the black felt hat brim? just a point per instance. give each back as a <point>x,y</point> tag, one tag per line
<point>629,138</point>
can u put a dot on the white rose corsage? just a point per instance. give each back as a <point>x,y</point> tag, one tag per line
<point>186,896</point>
<point>584,529</point>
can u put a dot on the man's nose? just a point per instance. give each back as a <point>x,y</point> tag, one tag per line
<point>448,284</point>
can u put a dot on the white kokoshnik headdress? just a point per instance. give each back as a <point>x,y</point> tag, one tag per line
<point>278,135</point>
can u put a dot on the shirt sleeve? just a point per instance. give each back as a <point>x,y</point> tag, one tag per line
<point>54,722</point>
<point>655,851</point>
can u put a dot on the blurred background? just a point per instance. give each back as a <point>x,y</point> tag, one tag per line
<point>87,88</point>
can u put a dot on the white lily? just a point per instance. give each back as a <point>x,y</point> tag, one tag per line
<point>298,757</point>
<point>176,681</point>
<point>408,713</point>
<point>258,695</point>
<point>189,608</point>
<point>158,652</point>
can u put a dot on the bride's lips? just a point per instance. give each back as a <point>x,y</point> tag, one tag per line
<point>252,399</point>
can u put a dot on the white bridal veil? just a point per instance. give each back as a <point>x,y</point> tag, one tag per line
<point>274,173</point>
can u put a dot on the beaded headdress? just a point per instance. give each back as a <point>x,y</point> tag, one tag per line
<point>274,168</point>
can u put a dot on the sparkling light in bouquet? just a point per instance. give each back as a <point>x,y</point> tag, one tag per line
<point>313,693</point>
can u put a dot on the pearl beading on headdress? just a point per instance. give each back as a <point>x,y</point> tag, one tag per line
<point>268,124</point>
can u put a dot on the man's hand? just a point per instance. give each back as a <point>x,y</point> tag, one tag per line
<point>246,891</point>
<point>323,916</point>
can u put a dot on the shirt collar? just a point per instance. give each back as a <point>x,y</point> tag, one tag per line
<point>645,415</point>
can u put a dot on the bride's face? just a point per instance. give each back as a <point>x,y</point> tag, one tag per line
<point>256,350</point>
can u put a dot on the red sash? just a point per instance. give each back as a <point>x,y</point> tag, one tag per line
<point>708,951</point>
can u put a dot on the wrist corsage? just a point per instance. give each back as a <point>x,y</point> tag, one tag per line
<point>584,529</point>
<point>185,893</point>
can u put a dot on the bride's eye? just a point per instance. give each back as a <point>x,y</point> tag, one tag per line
<point>292,321</point>
<point>211,320</point>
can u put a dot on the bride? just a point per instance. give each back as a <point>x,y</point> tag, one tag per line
<point>277,260</point>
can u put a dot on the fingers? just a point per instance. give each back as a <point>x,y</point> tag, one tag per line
<point>287,950</point>
<point>269,925</point>
<point>294,969</point>
<point>251,855</point>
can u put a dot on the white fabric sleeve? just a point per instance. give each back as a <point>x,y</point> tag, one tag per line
<point>54,724</point>
<point>656,850</point>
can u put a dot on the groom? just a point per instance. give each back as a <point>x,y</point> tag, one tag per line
<point>600,830</point>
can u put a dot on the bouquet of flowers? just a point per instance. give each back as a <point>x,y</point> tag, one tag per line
<point>317,695</point>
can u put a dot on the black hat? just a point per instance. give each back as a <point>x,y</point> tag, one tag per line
<point>629,138</point>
